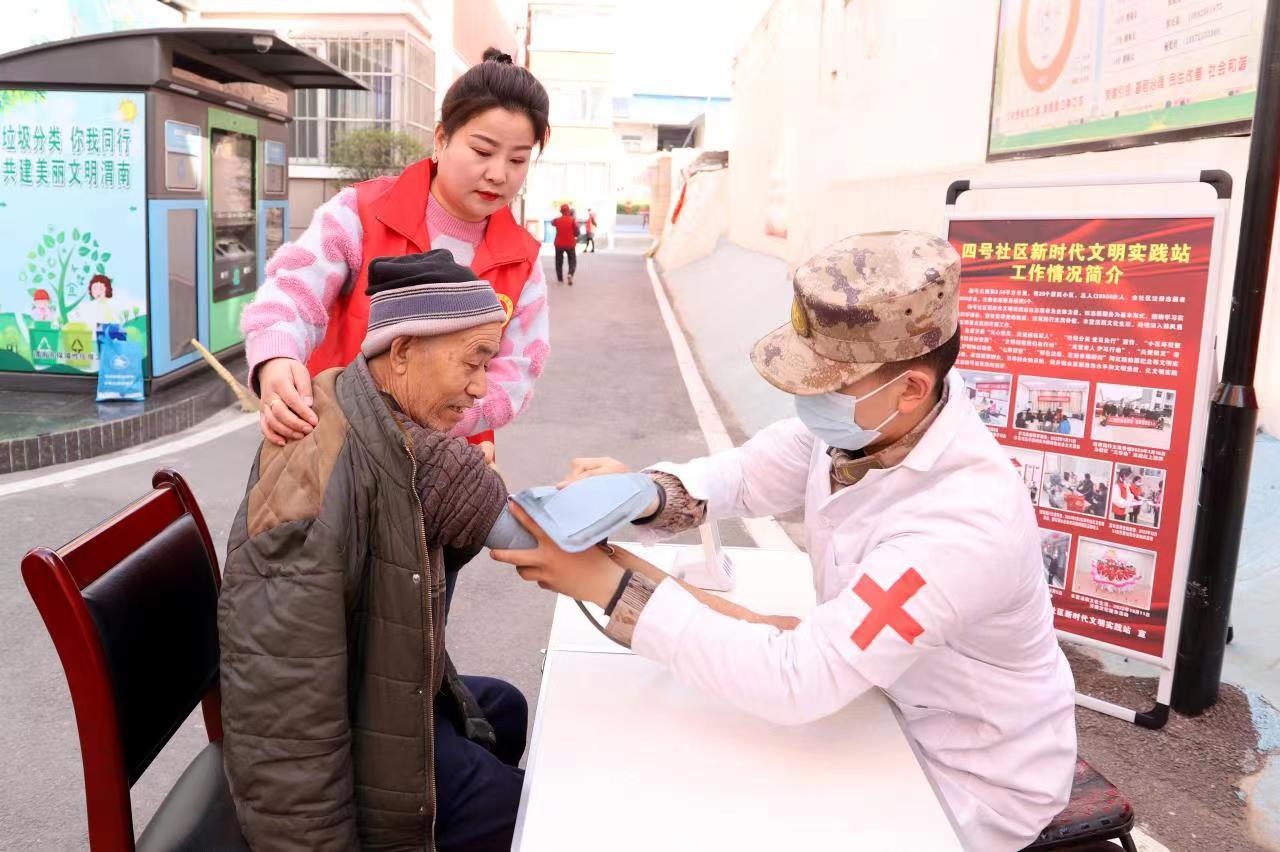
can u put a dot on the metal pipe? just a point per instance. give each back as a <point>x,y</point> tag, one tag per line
<point>1233,417</point>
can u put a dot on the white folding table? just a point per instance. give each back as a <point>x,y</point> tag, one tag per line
<point>624,756</point>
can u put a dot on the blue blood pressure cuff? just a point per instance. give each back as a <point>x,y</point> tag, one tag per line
<point>578,516</point>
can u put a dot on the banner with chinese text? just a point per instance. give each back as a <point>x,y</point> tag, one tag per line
<point>1077,74</point>
<point>72,226</point>
<point>1081,348</point>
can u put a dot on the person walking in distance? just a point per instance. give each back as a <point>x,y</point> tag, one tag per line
<point>590,226</point>
<point>566,243</point>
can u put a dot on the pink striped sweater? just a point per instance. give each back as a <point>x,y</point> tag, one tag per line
<point>289,315</point>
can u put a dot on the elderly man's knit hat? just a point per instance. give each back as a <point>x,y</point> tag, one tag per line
<point>423,295</point>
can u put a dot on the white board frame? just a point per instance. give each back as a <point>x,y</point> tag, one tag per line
<point>1204,387</point>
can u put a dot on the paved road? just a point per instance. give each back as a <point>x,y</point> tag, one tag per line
<point>612,387</point>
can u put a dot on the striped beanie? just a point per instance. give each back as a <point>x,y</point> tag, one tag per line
<point>423,295</point>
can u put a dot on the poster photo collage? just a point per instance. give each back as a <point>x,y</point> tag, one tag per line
<point>1080,352</point>
<point>1111,491</point>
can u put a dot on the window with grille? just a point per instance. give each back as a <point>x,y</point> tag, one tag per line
<point>400,75</point>
<point>583,103</point>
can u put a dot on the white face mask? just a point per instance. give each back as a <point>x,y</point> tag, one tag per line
<point>830,416</point>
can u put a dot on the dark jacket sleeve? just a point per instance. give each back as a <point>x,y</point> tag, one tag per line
<point>287,736</point>
<point>461,495</point>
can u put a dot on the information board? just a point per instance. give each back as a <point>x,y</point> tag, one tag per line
<point>73,226</point>
<point>1084,343</point>
<point>1087,74</point>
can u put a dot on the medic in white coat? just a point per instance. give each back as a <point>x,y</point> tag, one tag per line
<point>925,550</point>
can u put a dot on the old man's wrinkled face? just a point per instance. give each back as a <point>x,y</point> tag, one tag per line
<point>436,379</point>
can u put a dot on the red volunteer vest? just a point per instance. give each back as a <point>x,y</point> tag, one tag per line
<point>1118,512</point>
<point>393,214</point>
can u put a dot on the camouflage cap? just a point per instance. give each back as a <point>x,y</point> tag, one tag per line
<point>859,303</point>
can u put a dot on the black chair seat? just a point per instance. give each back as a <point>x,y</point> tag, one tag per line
<point>1097,811</point>
<point>198,815</point>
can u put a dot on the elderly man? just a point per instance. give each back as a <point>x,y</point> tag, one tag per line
<point>345,724</point>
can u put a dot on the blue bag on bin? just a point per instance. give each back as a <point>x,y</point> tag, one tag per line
<point>119,365</point>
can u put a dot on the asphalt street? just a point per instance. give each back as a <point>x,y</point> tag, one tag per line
<point>612,387</point>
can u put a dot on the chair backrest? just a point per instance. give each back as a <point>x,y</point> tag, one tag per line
<point>131,606</point>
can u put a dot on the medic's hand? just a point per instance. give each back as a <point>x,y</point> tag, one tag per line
<point>588,576</point>
<point>285,390</point>
<point>583,468</point>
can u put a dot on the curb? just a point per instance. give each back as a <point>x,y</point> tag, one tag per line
<point>72,445</point>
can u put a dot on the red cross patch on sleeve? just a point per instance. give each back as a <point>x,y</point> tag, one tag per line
<point>887,608</point>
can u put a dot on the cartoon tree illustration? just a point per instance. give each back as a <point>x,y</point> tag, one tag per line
<point>16,97</point>
<point>64,264</point>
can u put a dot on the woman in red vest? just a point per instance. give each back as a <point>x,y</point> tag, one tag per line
<point>311,312</point>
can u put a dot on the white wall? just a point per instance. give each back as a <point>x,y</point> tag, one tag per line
<point>775,103</point>
<point>868,112</point>
<point>704,219</point>
<point>715,128</point>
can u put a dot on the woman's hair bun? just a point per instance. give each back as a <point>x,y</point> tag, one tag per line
<point>496,83</point>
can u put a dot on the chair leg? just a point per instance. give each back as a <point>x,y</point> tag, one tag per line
<point>1126,840</point>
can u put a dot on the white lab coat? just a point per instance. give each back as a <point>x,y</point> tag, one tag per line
<point>982,684</point>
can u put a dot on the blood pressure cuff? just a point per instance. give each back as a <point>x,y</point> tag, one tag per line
<point>577,516</point>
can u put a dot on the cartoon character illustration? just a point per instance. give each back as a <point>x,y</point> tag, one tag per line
<point>100,289</point>
<point>97,309</point>
<point>42,309</point>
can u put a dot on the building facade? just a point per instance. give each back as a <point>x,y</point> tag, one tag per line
<point>572,51</point>
<point>647,127</point>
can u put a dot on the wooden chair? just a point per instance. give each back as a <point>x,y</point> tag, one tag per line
<point>131,606</point>
<point>1096,812</point>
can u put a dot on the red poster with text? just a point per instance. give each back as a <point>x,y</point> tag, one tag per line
<point>1081,348</point>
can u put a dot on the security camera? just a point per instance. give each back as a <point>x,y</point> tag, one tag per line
<point>263,43</point>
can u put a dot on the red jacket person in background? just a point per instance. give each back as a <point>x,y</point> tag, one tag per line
<point>566,243</point>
